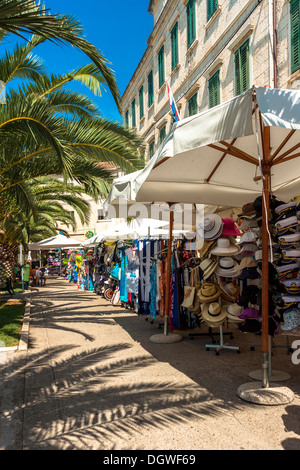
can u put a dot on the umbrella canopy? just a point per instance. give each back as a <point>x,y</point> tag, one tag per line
<point>215,156</point>
<point>137,228</point>
<point>59,241</point>
<point>230,155</point>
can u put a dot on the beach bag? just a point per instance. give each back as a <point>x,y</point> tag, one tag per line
<point>196,308</point>
<point>116,271</point>
<point>116,297</point>
<point>189,294</point>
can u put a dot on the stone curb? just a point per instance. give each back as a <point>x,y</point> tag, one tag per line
<point>23,343</point>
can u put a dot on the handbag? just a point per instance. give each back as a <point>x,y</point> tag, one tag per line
<point>196,308</point>
<point>189,294</point>
<point>116,297</point>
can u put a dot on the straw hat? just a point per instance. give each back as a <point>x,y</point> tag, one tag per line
<point>228,267</point>
<point>224,247</point>
<point>233,310</point>
<point>209,292</point>
<point>248,262</point>
<point>203,246</point>
<point>229,291</point>
<point>214,313</point>
<point>210,227</point>
<point>208,266</point>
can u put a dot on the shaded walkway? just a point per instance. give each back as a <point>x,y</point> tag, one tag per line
<point>91,379</point>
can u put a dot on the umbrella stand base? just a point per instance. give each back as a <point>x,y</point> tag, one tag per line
<point>166,339</point>
<point>276,375</point>
<point>275,395</point>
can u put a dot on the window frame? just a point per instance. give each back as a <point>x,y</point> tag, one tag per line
<point>174,46</point>
<point>133,113</point>
<point>150,89</point>
<point>295,38</point>
<point>190,103</point>
<point>161,66</point>
<point>191,22</point>
<point>214,85</point>
<point>239,68</point>
<point>141,102</point>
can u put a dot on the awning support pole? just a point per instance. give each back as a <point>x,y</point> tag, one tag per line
<point>168,277</point>
<point>265,257</point>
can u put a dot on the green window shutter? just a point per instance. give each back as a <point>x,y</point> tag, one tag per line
<point>151,148</point>
<point>212,6</point>
<point>127,118</point>
<point>161,66</point>
<point>242,73</point>
<point>214,90</point>
<point>193,105</point>
<point>162,134</point>
<point>133,116</point>
<point>150,89</point>
<point>174,46</point>
<point>295,35</point>
<point>191,22</point>
<point>141,101</point>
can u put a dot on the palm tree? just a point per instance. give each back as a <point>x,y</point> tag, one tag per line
<point>48,129</point>
<point>27,17</point>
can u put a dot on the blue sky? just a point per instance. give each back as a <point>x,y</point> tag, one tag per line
<point>119,28</point>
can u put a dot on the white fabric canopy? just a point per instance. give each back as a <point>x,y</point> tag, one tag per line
<point>58,241</point>
<point>137,228</point>
<point>213,157</point>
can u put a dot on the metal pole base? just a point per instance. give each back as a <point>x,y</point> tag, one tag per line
<point>255,393</point>
<point>166,339</point>
<point>276,376</point>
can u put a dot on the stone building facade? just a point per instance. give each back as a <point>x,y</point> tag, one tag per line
<point>210,51</point>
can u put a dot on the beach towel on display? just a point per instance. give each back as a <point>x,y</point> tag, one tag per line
<point>123,281</point>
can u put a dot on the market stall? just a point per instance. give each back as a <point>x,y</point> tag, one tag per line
<point>239,151</point>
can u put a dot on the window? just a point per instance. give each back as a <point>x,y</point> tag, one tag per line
<point>133,116</point>
<point>295,35</point>
<point>141,101</point>
<point>174,46</point>
<point>151,148</point>
<point>100,214</point>
<point>162,134</point>
<point>241,64</point>
<point>191,22</point>
<point>150,89</point>
<point>214,90</point>
<point>212,6</point>
<point>127,118</point>
<point>161,67</point>
<point>193,105</point>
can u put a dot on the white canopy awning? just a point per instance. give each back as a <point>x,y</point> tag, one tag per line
<point>58,241</point>
<point>213,157</point>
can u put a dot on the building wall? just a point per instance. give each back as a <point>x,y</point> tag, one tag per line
<point>216,42</point>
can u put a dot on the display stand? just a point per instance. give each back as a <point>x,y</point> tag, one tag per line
<point>211,334</point>
<point>221,345</point>
<point>274,375</point>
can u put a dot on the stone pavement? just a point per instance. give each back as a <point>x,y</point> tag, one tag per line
<point>92,380</point>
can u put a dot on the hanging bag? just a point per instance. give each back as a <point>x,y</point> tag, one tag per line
<point>196,308</point>
<point>189,294</point>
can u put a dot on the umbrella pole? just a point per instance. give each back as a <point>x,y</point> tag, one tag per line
<point>168,278</point>
<point>265,258</point>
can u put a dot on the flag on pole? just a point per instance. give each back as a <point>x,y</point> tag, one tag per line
<point>173,104</point>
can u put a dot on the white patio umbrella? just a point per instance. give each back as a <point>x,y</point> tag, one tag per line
<point>58,241</point>
<point>230,155</point>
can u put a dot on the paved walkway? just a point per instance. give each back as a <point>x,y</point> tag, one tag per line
<point>91,379</point>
